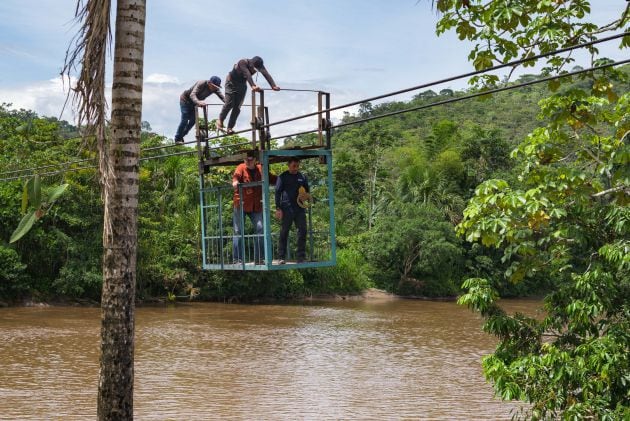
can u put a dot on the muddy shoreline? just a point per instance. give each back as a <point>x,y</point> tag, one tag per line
<point>370,294</point>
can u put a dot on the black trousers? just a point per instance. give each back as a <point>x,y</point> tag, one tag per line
<point>288,218</point>
<point>234,97</point>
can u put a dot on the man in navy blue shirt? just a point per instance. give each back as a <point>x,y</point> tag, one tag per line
<point>288,210</point>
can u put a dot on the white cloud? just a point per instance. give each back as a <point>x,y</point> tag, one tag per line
<point>44,97</point>
<point>161,78</point>
<point>161,104</point>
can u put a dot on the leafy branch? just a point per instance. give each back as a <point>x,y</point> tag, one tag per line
<point>40,203</point>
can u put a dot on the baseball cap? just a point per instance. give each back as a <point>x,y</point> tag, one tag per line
<point>215,80</point>
<point>257,61</point>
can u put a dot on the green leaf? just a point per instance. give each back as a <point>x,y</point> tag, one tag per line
<point>35,191</point>
<point>24,226</point>
<point>56,192</point>
<point>554,84</point>
<point>24,198</point>
<point>465,30</point>
<point>483,60</point>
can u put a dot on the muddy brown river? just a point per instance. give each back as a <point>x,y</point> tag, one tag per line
<point>379,360</point>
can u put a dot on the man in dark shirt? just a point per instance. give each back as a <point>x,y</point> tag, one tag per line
<point>288,210</point>
<point>236,88</point>
<point>194,97</point>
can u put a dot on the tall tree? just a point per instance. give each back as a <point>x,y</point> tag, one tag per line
<point>118,149</point>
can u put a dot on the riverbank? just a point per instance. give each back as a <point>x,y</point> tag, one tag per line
<point>369,294</point>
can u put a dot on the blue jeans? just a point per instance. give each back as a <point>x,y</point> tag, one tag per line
<point>257,222</point>
<point>188,120</point>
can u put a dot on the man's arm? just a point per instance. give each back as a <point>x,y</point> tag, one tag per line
<point>279,189</point>
<point>237,177</point>
<point>263,71</point>
<point>195,91</point>
<point>220,95</point>
<point>242,67</point>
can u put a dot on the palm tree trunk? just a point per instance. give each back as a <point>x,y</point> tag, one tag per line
<point>116,376</point>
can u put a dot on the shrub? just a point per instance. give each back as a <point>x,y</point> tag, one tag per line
<point>13,278</point>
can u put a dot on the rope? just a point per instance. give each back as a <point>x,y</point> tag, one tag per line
<point>293,90</point>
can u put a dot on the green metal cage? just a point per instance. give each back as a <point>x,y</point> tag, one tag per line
<point>223,249</point>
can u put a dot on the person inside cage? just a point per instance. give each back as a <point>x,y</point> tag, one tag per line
<point>250,199</point>
<point>292,192</point>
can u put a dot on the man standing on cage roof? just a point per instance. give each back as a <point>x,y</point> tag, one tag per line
<point>236,88</point>
<point>194,97</point>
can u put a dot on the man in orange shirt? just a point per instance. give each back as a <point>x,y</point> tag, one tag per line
<point>248,172</point>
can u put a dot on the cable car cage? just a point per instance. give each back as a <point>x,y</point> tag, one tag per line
<point>224,247</point>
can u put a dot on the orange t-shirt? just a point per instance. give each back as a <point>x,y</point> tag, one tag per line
<point>252,196</point>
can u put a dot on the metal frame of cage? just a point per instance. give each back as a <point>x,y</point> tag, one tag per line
<point>256,251</point>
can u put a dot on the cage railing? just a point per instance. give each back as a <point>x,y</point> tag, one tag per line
<point>229,241</point>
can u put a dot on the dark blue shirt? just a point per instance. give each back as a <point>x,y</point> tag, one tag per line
<point>287,187</point>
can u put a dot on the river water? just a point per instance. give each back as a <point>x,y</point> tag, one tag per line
<point>389,359</point>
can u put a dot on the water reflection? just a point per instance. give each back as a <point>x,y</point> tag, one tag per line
<point>368,360</point>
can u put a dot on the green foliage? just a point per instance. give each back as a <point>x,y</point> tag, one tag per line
<point>414,251</point>
<point>61,253</point>
<point>573,363</point>
<point>34,190</point>
<point>33,193</point>
<point>251,286</point>
<point>432,159</point>
<point>504,31</point>
<point>484,153</point>
<point>77,279</point>
<point>350,276</point>
<point>24,226</point>
<point>13,279</point>
<point>564,218</point>
<point>536,222</point>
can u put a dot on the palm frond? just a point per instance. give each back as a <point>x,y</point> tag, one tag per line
<point>87,52</point>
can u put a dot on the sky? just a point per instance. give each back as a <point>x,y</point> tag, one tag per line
<point>351,48</point>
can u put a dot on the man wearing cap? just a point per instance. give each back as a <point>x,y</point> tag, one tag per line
<point>236,88</point>
<point>194,97</point>
<point>248,172</point>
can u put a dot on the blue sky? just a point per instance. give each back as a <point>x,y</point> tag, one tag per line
<point>351,48</point>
